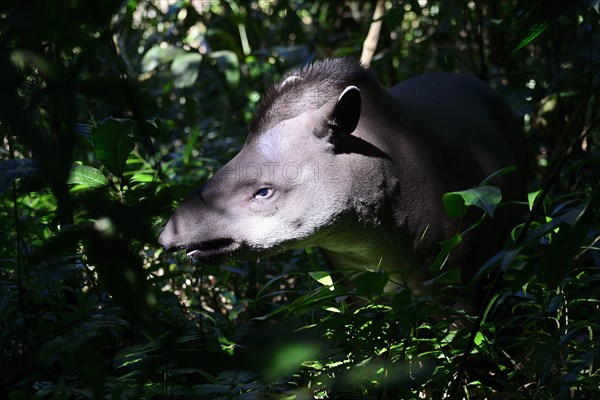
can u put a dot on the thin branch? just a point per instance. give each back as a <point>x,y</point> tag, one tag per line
<point>370,43</point>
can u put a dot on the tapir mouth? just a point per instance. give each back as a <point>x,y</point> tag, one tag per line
<point>212,250</point>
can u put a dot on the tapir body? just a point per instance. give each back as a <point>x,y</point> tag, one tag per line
<point>334,160</point>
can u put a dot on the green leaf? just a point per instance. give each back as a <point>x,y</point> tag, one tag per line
<point>535,30</point>
<point>503,171</point>
<point>160,55</point>
<point>529,19</point>
<point>485,197</point>
<point>454,204</point>
<point>371,283</point>
<point>531,197</point>
<point>87,176</point>
<point>113,144</point>
<point>190,147</point>
<point>570,217</point>
<point>447,246</point>
<point>142,177</point>
<point>186,68</point>
<point>322,277</point>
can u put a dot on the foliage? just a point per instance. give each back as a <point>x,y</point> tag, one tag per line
<point>110,112</point>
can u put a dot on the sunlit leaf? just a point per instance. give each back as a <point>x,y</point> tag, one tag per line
<point>87,176</point>
<point>534,31</point>
<point>531,197</point>
<point>185,68</point>
<point>142,177</point>
<point>323,277</point>
<point>160,55</point>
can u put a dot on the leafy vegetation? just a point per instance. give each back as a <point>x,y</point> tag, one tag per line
<point>110,112</point>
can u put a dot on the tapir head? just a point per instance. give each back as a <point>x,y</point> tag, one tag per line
<point>285,189</point>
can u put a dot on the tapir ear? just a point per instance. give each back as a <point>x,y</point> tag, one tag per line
<point>346,113</point>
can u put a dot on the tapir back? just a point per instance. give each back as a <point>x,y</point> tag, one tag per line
<point>465,132</point>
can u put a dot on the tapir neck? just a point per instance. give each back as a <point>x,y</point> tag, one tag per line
<point>403,273</point>
<point>369,249</point>
<point>390,236</point>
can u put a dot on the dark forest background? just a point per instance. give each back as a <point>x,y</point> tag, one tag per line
<point>111,111</point>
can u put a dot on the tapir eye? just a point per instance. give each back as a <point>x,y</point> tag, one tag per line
<point>263,193</point>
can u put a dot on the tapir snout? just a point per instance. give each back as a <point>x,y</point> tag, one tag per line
<point>178,233</point>
<point>334,160</point>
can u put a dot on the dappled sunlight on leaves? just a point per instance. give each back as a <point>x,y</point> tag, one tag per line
<point>111,112</point>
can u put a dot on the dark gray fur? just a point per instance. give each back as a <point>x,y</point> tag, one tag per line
<point>320,82</point>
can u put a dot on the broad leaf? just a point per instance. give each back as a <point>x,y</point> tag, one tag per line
<point>113,144</point>
<point>185,69</point>
<point>86,175</point>
<point>160,55</point>
<point>485,197</point>
<point>371,283</point>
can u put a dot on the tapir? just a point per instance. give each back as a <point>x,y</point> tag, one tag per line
<point>335,161</point>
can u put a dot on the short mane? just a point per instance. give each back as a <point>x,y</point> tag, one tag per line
<point>307,88</point>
